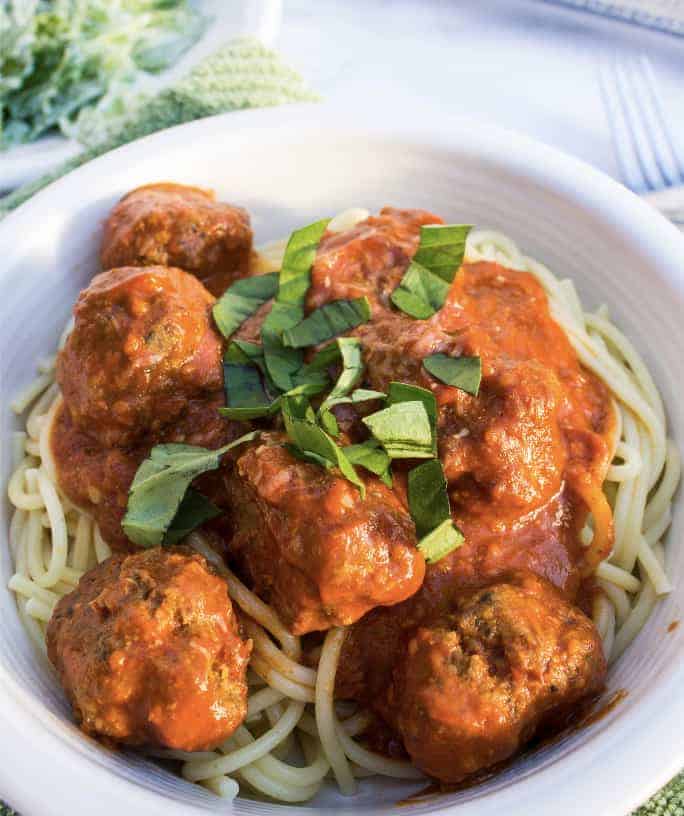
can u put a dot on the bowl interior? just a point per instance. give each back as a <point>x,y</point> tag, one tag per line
<point>288,170</point>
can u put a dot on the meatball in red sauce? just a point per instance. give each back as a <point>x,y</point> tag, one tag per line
<point>143,344</point>
<point>149,652</point>
<point>370,259</point>
<point>97,477</point>
<point>309,544</point>
<point>472,687</point>
<point>174,225</point>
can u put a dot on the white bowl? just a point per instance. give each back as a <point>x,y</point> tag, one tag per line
<point>289,166</point>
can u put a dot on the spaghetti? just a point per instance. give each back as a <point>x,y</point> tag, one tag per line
<point>295,735</point>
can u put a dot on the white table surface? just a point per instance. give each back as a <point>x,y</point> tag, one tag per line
<point>523,64</point>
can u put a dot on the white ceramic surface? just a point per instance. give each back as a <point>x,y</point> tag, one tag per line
<point>288,167</point>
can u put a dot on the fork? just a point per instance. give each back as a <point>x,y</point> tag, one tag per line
<point>646,154</point>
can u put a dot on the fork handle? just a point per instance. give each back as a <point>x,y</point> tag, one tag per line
<point>670,202</point>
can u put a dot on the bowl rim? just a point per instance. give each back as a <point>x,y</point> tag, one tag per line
<point>637,755</point>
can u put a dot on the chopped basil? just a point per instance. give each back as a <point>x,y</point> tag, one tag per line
<point>244,388</point>
<point>247,396</point>
<point>427,496</point>
<point>310,438</point>
<point>420,293</point>
<point>300,253</point>
<point>349,349</point>
<point>403,392</point>
<point>461,372</point>
<point>425,285</point>
<point>283,362</point>
<point>194,510</point>
<point>372,457</point>
<point>160,483</point>
<point>429,505</point>
<point>441,541</point>
<point>403,430</point>
<point>441,248</point>
<point>307,456</point>
<point>329,321</point>
<point>241,300</point>
<point>366,394</point>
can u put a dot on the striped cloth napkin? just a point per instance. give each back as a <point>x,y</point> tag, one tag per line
<point>663,15</point>
<point>242,75</point>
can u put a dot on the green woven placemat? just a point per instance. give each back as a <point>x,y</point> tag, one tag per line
<point>241,75</point>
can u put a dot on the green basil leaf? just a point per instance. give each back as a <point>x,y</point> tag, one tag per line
<point>329,321</point>
<point>461,372</point>
<point>425,285</point>
<point>403,429</point>
<point>323,359</point>
<point>310,438</point>
<point>441,541</point>
<point>311,458</point>
<point>420,293</point>
<point>403,392</point>
<point>282,362</point>
<point>441,248</point>
<point>244,388</point>
<point>241,300</point>
<point>244,414</point>
<point>194,510</point>
<point>427,496</point>
<point>366,394</point>
<point>300,253</point>
<point>352,367</point>
<point>160,484</point>
<point>372,457</point>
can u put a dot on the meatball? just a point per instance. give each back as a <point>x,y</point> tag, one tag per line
<point>320,554</point>
<point>148,650</point>
<point>97,477</point>
<point>473,686</point>
<point>395,345</point>
<point>369,259</point>
<point>143,344</point>
<point>505,446</point>
<point>174,225</point>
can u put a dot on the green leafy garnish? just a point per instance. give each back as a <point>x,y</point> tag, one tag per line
<point>194,510</point>
<point>283,362</point>
<point>241,300</point>
<point>403,430</point>
<point>310,438</point>
<point>329,321</point>
<point>425,285</point>
<point>300,253</point>
<point>245,381</point>
<point>366,395</point>
<point>372,457</point>
<point>441,541</point>
<point>349,349</point>
<point>427,496</point>
<point>160,483</point>
<point>429,505</point>
<point>420,293</point>
<point>403,392</point>
<point>461,372</point>
<point>441,248</point>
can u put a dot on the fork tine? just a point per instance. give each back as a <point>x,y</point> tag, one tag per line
<point>638,127</point>
<point>623,145</point>
<point>665,151</point>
